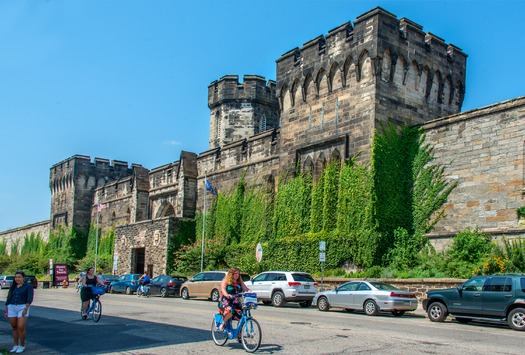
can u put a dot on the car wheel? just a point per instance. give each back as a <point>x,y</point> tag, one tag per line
<point>267,302</point>
<point>370,308</point>
<point>397,313</point>
<point>322,304</point>
<point>516,319</point>
<point>185,294</point>
<point>163,292</point>
<point>128,291</point>
<point>463,320</point>
<point>437,312</point>
<point>305,304</point>
<point>215,295</point>
<point>278,299</point>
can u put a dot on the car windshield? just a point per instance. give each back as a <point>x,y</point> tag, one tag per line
<point>180,278</point>
<point>303,277</point>
<point>383,286</point>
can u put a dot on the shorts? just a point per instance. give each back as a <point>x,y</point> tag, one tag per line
<point>15,310</point>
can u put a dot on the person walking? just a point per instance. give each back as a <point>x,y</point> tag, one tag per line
<point>86,294</point>
<point>19,299</point>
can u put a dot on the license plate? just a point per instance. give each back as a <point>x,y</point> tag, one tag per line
<point>306,286</point>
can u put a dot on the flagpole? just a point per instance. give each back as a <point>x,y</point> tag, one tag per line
<point>203,224</point>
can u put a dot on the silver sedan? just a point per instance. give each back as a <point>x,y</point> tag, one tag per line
<point>371,297</point>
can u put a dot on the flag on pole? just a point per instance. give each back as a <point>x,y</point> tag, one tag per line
<point>100,206</point>
<point>210,188</point>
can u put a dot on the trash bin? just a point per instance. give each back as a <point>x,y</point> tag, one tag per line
<point>45,284</point>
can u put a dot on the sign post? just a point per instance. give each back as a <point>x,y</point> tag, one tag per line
<point>258,252</point>
<point>322,259</point>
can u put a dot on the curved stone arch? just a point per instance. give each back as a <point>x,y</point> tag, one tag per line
<point>321,83</point>
<point>293,91</point>
<point>412,76</point>
<point>435,88</point>
<point>335,156</point>
<point>285,98</point>
<point>308,87</point>
<point>101,182</point>
<point>165,210</point>
<point>308,166</point>
<point>347,72</point>
<point>364,67</point>
<point>386,66</point>
<point>447,90</point>
<point>398,77</point>
<point>91,182</point>
<point>334,81</point>
<point>320,164</point>
<point>424,80</point>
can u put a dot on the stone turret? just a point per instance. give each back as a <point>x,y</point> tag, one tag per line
<point>238,111</point>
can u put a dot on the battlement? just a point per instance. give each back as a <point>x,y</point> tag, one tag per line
<point>255,89</point>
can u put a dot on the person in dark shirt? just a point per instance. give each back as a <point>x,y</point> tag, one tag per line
<point>91,280</point>
<point>19,299</point>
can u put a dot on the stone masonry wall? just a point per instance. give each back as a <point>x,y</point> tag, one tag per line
<point>18,234</point>
<point>483,152</point>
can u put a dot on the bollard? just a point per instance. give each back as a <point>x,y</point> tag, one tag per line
<point>64,284</point>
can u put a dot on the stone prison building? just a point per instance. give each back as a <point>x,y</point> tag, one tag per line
<point>329,97</point>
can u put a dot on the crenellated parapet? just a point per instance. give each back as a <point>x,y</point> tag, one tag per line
<point>239,110</point>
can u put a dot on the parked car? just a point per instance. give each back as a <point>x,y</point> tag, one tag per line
<point>127,283</point>
<point>30,279</point>
<point>371,297</point>
<point>6,281</point>
<point>108,279</point>
<point>279,287</point>
<point>165,285</point>
<point>206,284</point>
<point>491,298</point>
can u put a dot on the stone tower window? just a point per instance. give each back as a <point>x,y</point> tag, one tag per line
<point>218,124</point>
<point>263,123</point>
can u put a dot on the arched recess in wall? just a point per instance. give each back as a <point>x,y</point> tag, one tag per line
<point>165,210</point>
<point>334,80</point>
<point>293,92</point>
<point>308,88</point>
<point>434,88</point>
<point>320,164</point>
<point>422,87</point>
<point>308,166</point>
<point>285,98</point>
<point>447,91</point>
<point>364,73</point>
<point>348,72</point>
<point>335,156</point>
<point>412,78</point>
<point>321,83</point>
<point>386,66</point>
<point>399,72</point>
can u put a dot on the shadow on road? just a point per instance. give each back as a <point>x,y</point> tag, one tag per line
<point>64,332</point>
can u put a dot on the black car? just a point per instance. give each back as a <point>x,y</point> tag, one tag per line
<point>30,279</point>
<point>165,285</point>
<point>490,298</point>
<point>108,279</point>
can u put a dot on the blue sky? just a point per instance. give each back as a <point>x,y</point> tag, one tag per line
<point>127,80</point>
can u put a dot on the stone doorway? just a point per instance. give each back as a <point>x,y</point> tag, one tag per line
<point>139,255</point>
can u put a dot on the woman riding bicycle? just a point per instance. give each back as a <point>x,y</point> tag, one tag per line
<point>86,294</point>
<point>229,305</point>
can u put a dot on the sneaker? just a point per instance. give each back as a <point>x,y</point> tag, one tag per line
<point>20,349</point>
<point>14,349</point>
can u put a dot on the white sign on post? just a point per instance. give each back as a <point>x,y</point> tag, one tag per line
<point>258,252</point>
<point>322,245</point>
<point>322,257</point>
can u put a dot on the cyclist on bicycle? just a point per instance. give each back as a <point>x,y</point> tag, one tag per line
<point>86,294</point>
<point>144,280</point>
<point>229,305</point>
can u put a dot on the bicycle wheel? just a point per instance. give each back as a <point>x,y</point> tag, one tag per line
<point>251,335</point>
<point>97,310</point>
<point>218,337</point>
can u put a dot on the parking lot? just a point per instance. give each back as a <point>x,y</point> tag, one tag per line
<point>132,325</point>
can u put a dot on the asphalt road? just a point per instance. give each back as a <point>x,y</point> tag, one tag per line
<point>132,325</point>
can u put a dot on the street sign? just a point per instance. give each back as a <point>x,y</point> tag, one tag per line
<point>322,245</point>
<point>322,257</point>
<point>258,252</point>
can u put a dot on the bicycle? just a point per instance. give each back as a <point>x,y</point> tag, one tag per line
<point>95,307</point>
<point>143,291</point>
<point>248,327</point>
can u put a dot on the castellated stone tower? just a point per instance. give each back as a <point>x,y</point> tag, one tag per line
<point>73,182</point>
<point>238,111</point>
<point>336,89</point>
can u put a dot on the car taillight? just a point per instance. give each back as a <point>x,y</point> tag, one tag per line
<point>316,284</point>
<point>133,282</point>
<point>294,284</point>
<point>170,284</point>
<point>406,295</point>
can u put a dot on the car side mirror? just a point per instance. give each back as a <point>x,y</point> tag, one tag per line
<point>460,290</point>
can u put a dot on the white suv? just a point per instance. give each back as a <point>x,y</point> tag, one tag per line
<point>279,287</point>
